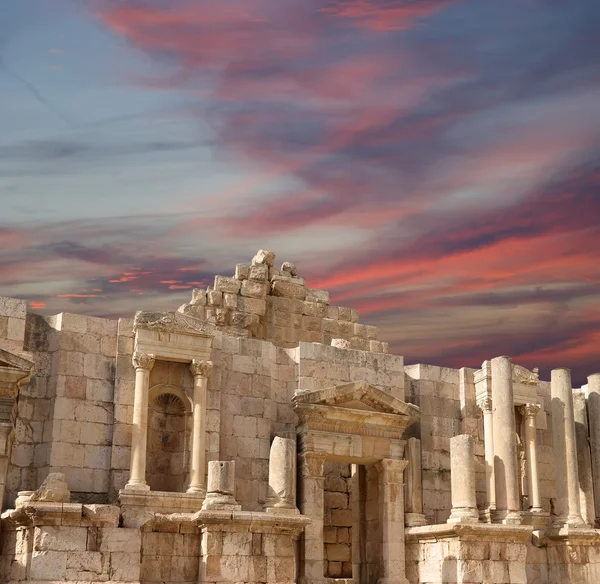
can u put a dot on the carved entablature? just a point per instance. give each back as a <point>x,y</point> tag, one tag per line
<point>15,371</point>
<point>525,388</point>
<point>354,420</point>
<point>173,322</point>
<point>172,336</point>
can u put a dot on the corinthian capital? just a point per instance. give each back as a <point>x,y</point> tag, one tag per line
<point>201,368</point>
<point>530,410</point>
<point>142,360</point>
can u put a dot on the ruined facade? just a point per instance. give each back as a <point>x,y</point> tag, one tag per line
<point>258,434</point>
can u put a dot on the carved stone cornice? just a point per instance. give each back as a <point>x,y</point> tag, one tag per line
<point>522,375</point>
<point>142,361</point>
<point>201,368</point>
<point>173,322</point>
<point>530,410</point>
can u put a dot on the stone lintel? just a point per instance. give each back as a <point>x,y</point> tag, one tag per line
<point>470,531</point>
<point>255,521</point>
<point>161,501</point>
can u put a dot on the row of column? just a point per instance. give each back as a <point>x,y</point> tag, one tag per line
<point>143,364</point>
<point>501,455</point>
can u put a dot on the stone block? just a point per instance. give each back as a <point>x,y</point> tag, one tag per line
<point>254,289</point>
<point>225,284</point>
<point>258,272</point>
<point>85,566</point>
<point>288,289</point>
<point>242,271</point>
<point>251,305</point>
<point>125,567</point>
<point>230,301</point>
<point>59,539</point>
<point>48,565</point>
<point>214,298</point>
<point>344,314</point>
<point>314,295</point>
<point>338,552</point>
<point>13,307</point>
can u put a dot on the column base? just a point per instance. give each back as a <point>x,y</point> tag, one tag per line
<point>486,515</point>
<point>414,520</point>
<point>201,491</point>
<point>282,510</point>
<point>220,502</point>
<point>507,517</point>
<point>137,487</point>
<point>464,515</point>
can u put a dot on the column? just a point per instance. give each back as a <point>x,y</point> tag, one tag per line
<point>312,501</point>
<point>143,364</point>
<point>413,486</point>
<point>584,461</point>
<point>221,486</point>
<point>391,517</point>
<point>568,508</point>
<point>462,480</point>
<point>282,476</point>
<point>508,507</point>
<point>529,413</point>
<point>593,404</point>
<point>490,477</point>
<point>201,371</point>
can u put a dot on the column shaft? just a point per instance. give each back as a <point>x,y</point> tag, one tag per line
<point>391,516</point>
<point>593,403</point>
<point>533,483</point>
<point>462,478</point>
<point>413,486</point>
<point>565,449</point>
<point>488,432</point>
<point>508,508</point>
<point>312,501</point>
<point>143,365</point>
<point>201,371</point>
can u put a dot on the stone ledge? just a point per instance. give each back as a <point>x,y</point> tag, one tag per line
<point>469,531</point>
<point>567,535</point>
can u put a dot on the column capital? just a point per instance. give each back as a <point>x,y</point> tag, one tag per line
<point>530,410</point>
<point>393,469</point>
<point>201,368</point>
<point>142,360</point>
<point>312,464</point>
<point>485,403</point>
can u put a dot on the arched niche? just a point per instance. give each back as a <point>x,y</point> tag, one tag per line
<point>169,434</point>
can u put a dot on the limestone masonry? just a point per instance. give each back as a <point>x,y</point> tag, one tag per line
<point>258,434</point>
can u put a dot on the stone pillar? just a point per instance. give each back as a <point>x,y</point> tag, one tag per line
<point>413,485</point>
<point>282,476</point>
<point>593,404</point>
<point>221,486</point>
<point>508,507</point>
<point>312,501</point>
<point>584,462</point>
<point>462,479</point>
<point>490,477</point>
<point>529,413</point>
<point>568,509</point>
<point>201,371</point>
<point>391,517</point>
<point>143,364</point>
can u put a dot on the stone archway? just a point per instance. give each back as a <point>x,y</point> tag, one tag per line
<point>169,435</point>
<point>361,425</point>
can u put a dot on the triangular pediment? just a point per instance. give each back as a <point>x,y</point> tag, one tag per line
<point>358,395</point>
<point>12,361</point>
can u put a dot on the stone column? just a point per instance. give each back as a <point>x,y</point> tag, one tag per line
<point>391,517</point>
<point>568,509</point>
<point>221,486</point>
<point>282,476</point>
<point>312,501</point>
<point>201,371</point>
<point>529,413</point>
<point>593,403</point>
<point>490,477</point>
<point>584,462</point>
<point>413,485</point>
<point>508,508</point>
<point>143,364</point>
<point>462,479</point>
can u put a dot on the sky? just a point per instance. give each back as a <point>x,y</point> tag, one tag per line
<point>433,163</point>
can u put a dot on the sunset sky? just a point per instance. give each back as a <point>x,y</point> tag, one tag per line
<point>433,163</point>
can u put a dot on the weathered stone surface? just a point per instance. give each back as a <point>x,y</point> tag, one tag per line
<point>264,257</point>
<point>53,489</point>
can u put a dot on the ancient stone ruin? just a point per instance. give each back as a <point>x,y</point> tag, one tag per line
<point>258,434</point>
